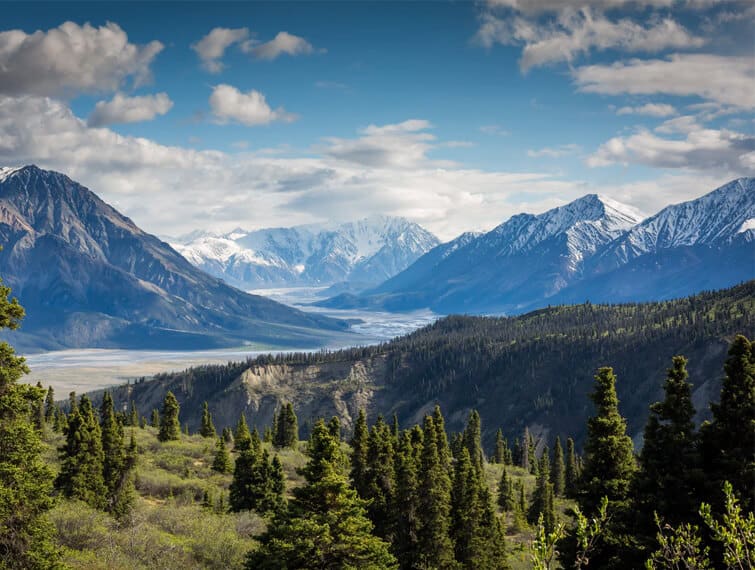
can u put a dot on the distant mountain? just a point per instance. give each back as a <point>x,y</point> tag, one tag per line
<point>535,370</point>
<point>591,249</point>
<point>361,253</point>
<point>89,277</point>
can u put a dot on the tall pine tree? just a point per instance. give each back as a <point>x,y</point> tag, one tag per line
<point>207,428</point>
<point>558,471</point>
<point>170,426</point>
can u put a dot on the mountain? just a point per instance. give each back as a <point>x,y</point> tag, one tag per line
<point>527,257</point>
<point>533,370</point>
<point>361,253</point>
<point>591,249</point>
<point>89,277</point>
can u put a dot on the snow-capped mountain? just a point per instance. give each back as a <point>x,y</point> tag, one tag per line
<point>89,277</point>
<point>365,252</point>
<point>591,249</point>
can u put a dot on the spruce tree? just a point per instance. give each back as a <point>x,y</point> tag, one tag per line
<point>117,463</point>
<point>258,483</point>
<point>558,472</point>
<point>82,458</point>
<point>155,419</point>
<point>359,442</point>
<point>542,498</point>
<point>207,428</point>
<point>242,439</point>
<point>499,456</point>
<point>380,478</point>
<point>465,508</point>
<point>222,460</point>
<point>170,427</point>
<point>334,425</point>
<point>506,492</point>
<point>38,410</point>
<point>286,433</point>
<point>50,406</point>
<point>571,471</point>
<point>227,435</point>
<point>526,455</point>
<point>669,477</point>
<point>406,505</point>
<point>325,525</point>
<point>434,547</point>
<point>729,440</point>
<point>473,440</point>
<point>133,415</point>
<point>26,536</point>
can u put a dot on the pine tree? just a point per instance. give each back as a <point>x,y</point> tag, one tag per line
<point>473,440</point>
<point>380,478</point>
<point>500,448</point>
<point>465,508</point>
<point>61,421</point>
<point>207,428</point>
<point>729,440</point>
<point>116,464</point>
<point>395,430</point>
<point>506,493</point>
<point>227,435</point>
<point>359,442</point>
<point>542,498</point>
<point>82,458</point>
<point>441,441</point>
<point>222,460</point>
<point>669,477</point>
<point>334,426</point>
<point>571,472</point>
<point>26,536</point>
<point>38,410</point>
<point>558,472</point>
<point>526,455</point>
<point>133,415</point>
<point>406,506</point>
<point>50,406</point>
<point>155,420</point>
<point>170,427</point>
<point>325,525</point>
<point>286,433</point>
<point>242,439</point>
<point>258,483</point>
<point>434,548</point>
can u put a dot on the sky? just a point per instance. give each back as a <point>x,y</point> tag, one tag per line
<point>456,115</point>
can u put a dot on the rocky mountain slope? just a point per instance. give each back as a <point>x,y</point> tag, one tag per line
<point>591,249</point>
<point>534,370</point>
<point>89,277</point>
<point>361,253</point>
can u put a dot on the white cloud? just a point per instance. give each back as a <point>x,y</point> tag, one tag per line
<point>725,80</point>
<point>211,47</point>
<point>577,32</point>
<point>71,59</point>
<point>540,6</point>
<point>649,109</point>
<point>250,108</point>
<point>684,124</point>
<point>494,130</point>
<point>123,109</point>
<point>554,152</point>
<point>282,43</point>
<point>700,149</point>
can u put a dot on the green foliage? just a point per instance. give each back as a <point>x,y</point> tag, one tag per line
<point>325,525</point>
<point>678,549</point>
<point>380,478</point>
<point>407,519</point>
<point>242,439</point>
<point>506,493</point>
<point>472,439</point>
<point>735,531</point>
<point>26,537</point>
<point>286,431</point>
<point>542,508</point>
<point>207,428</point>
<point>258,483</point>
<point>557,469</point>
<point>571,470</point>
<point>543,548</point>
<point>222,460</point>
<point>50,407</point>
<point>170,427</point>
<point>117,463</point>
<point>359,442</point>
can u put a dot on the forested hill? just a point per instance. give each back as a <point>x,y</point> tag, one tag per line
<point>532,370</point>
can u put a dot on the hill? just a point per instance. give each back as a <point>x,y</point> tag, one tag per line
<point>532,370</point>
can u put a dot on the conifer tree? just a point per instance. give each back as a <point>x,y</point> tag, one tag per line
<point>170,427</point>
<point>117,463</point>
<point>406,505</point>
<point>155,418</point>
<point>465,508</point>
<point>242,439</point>
<point>133,415</point>
<point>359,443</point>
<point>222,460</point>
<point>207,428</point>
<point>506,493</point>
<point>558,472</point>
<point>50,406</point>
<point>571,472</point>
<point>395,430</point>
<point>286,433</point>
<point>473,440</point>
<point>669,478</point>
<point>380,478</point>
<point>257,483</point>
<point>516,453</point>
<point>334,425</point>
<point>729,440</point>
<point>325,525</point>
<point>542,498</point>
<point>38,410</point>
<point>227,435</point>
<point>434,548</point>
<point>26,537</point>
<point>72,402</point>
<point>441,441</point>
<point>61,421</point>
<point>499,456</point>
<point>82,458</point>
<point>526,455</point>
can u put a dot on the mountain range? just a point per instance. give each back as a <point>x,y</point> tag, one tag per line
<point>89,277</point>
<point>591,249</point>
<point>355,255</point>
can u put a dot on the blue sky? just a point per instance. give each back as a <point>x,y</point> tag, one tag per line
<point>454,114</point>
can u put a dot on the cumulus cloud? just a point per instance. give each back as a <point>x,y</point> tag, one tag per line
<point>71,59</point>
<point>575,33</point>
<point>494,130</point>
<point>540,6</point>
<point>554,152</point>
<point>211,47</point>
<point>123,109</point>
<point>649,109</point>
<point>700,149</point>
<point>282,43</point>
<point>727,80</point>
<point>228,104</point>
